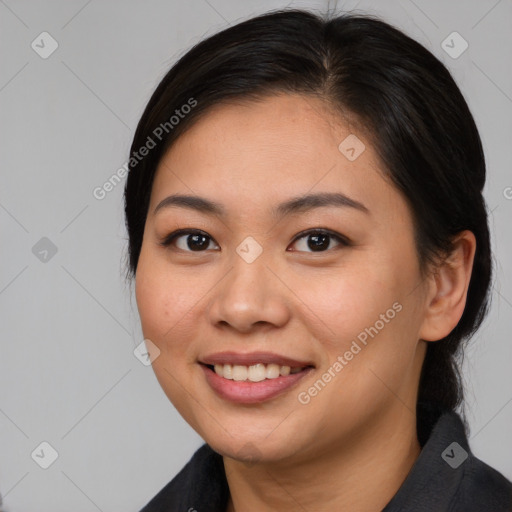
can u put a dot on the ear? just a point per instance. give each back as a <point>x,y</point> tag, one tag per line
<point>447,289</point>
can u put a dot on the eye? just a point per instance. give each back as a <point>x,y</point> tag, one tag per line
<point>319,240</point>
<point>194,240</point>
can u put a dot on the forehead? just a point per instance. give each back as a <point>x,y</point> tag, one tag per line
<point>282,125</point>
<point>276,147</point>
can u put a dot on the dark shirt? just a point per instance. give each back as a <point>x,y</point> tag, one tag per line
<point>446,477</point>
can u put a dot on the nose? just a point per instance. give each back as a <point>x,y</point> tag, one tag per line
<point>251,296</point>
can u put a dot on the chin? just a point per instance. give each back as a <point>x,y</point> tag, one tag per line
<point>250,448</point>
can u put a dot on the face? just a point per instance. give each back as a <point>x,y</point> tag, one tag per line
<point>299,262</point>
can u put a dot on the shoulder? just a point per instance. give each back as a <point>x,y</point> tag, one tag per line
<point>483,488</point>
<point>448,477</point>
<point>479,487</point>
<point>200,481</point>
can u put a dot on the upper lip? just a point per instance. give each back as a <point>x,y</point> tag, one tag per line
<point>251,358</point>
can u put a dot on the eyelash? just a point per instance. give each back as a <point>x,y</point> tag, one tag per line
<point>343,241</point>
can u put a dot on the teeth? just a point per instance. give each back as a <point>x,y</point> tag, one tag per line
<point>285,370</point>
<point>257,372</point>
<point>240,372</point>
<point>254,373</point>
<point>227,371</point>
<point>272,371</point>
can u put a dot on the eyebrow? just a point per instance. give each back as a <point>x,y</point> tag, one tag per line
<point>295,205</point>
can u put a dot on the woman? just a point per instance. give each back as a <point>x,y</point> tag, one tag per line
<point>310,249</point>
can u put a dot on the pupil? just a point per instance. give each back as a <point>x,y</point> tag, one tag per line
<point>315,242</point>
<point>195,240</point>
<point>320,241</point>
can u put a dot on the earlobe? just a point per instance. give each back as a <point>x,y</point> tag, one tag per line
<point>449,285</point>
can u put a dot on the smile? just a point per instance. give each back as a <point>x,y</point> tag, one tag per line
<point>247,391</point>
<point>255,372</point>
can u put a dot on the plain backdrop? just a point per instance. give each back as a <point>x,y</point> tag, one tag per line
<point>69,324</point>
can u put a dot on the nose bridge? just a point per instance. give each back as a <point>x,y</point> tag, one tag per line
<point>250,293</point>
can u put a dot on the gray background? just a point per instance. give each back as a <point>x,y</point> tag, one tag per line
<point>69,324</point>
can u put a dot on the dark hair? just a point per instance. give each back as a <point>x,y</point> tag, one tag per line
<point>392,87</point>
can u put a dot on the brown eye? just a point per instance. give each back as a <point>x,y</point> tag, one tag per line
<point>188,240</point>
<point>319,240</point>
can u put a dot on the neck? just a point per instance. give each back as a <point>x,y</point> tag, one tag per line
<point>381,455</point>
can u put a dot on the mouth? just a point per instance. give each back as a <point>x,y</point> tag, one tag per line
<point>255,372</point>
<point>252,378</point>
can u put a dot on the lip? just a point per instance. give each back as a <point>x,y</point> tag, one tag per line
<point>251,358</point>
<point>247,392</point>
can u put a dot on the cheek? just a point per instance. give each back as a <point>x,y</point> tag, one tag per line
<point>370,304</point>
<point>163,308</point>
<point>151,303</point>
<point>162,299</point>
<point>348,301</point>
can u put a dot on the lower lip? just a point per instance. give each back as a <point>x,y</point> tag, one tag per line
<point>247,392</point>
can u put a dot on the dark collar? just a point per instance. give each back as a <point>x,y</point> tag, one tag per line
<point>435,478</point>
<point>445,477</point>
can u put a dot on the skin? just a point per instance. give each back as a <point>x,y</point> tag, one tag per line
<point>360,429</point>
